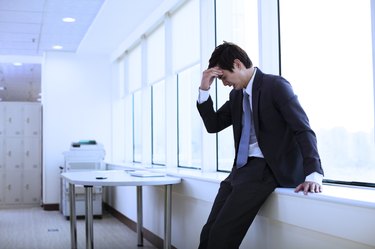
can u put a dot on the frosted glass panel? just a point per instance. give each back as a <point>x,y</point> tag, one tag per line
<point>137,126</point>
<point>156,55</point>
<point>186,35</point>
<point>135,69</point>
<point>158,123</point>
<point>189,121</point>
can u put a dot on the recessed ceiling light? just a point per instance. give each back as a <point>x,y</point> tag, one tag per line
<point>57,47</point>
<point>17,63</point>
<point>69,19</point>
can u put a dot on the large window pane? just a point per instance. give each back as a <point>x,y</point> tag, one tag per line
<point>158,123</point>
<point>237,22</point>
<point>137,126</point>
<point>189,121</point>
<point>326,54</point>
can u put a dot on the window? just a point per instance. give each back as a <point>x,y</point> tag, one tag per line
<point>189,121</point>
<point>326,54</point>
<point>135,68</point>
<point>158,123</point>
<point>137,126</point>
<point>185,41</point>
<point>156,55</point>
<point>186,35</point>
<point>237,22</point>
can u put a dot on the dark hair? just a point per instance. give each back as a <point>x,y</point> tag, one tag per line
<point>224,55</point>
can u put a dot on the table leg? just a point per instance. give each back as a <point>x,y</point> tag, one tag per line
<point>139,216</point>
<point>73,218</point>
<point>167,216</point>
<point>89,218</point>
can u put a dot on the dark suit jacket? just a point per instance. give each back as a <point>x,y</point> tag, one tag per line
<point>282,128</point>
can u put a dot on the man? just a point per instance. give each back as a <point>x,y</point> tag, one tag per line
<point>274,143</point>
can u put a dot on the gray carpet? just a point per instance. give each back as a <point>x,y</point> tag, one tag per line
<point>34,228</point>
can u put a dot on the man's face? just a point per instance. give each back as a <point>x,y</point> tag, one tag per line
<point>232,79</point>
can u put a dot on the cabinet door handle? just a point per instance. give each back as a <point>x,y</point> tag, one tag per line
<point>9,187</point>
<point>27,186</point>
<point>27,153</point>
<point>9,153</point>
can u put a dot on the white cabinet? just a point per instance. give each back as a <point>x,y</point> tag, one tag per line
<point>20,154</point>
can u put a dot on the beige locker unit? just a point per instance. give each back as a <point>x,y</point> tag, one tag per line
<point>82,158</point>
<point>13,186</point>
<point>14,153</point>
<point>31,154</point>
<point>32,121</point>
<point>13,119</point>
<point>2,153</point>
<point>31,187</point>
<point>2,188</point>
<point>20,154</point>
<point>2,120</point>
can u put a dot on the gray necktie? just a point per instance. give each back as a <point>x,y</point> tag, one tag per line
<point>243,148</point>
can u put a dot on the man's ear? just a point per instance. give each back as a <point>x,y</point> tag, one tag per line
<point>237,64</point>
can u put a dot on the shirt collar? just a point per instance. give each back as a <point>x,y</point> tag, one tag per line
<point>249,86</point>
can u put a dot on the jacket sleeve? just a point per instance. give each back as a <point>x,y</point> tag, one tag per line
<point>215,121</point>
<point>297,120</point>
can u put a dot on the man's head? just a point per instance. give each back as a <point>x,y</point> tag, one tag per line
<point>224,55</point>
<point>234,65</point>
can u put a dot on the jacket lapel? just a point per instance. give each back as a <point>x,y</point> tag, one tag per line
<point>256,91</point>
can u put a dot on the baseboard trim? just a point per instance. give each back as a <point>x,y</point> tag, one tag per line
<point>151,237</point>
<point>51,207</point>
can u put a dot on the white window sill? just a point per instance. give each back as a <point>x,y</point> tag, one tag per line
<point>349,195</point>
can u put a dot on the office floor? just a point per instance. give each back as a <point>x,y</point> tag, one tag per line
<point>34,228</point>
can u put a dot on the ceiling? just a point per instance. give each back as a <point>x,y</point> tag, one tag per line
<point>31,27</point>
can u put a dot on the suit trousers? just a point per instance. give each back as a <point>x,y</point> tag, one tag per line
<point>237,202</point>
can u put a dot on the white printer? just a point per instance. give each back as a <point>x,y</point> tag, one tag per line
<point>83,155</point>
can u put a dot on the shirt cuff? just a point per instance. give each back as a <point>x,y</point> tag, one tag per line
<point>315,177</point>
<point>203,96</point>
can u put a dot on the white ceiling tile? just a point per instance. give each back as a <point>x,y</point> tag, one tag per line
<point>28,5</point>
<point>15,37</point>
<point>19,45</point>
<point>25,28</point>
<point>20,16</point>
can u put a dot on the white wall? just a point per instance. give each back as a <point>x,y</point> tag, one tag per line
<point>76,105</point>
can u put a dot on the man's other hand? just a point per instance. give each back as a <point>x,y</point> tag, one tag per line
<point>307,187</point>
